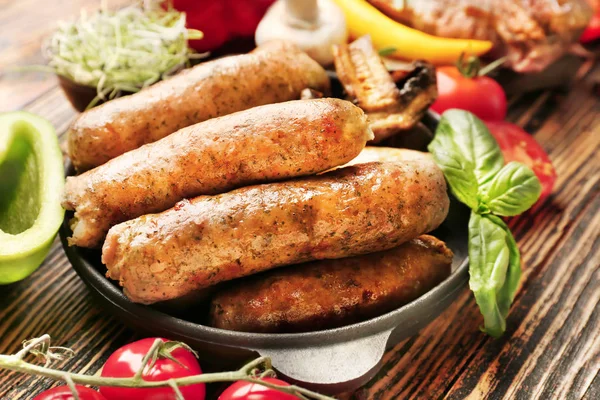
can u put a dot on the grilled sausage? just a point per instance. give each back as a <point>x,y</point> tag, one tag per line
<point>266,143</point>
<point>210,239</point>
<point>379,153</point>
<point>388,154</point>
<point>273,73</point>
<point>332,293</point>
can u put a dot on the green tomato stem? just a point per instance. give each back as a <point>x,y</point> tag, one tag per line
<point>71,386</point>
<point>178,394</point>
<point>492,66</point>
<point>151,352</point>
<point>30,345</point>
<point>471,68</point>
<point>16,362</point>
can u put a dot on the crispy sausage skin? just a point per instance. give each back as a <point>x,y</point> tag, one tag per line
<point>210,239</point>
<point>273,73</point>
<point>331,293</point>
<point>392,154</point>
<point>266,143</point>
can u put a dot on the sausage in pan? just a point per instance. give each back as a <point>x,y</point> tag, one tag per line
<point>271,142</point>
<point>393,154</point>
<point>331,293</point>
<point>210,239</point>
<point>273,73</point>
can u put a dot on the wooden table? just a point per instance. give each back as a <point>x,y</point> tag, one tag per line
<point>552,345</point>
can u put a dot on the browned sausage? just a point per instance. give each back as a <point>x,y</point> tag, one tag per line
<point>265,143</point>
<point>354,210</point>
<point>332,293</point>
<point>387,154</point>
<point>275,72</point>
<point>393,154</point>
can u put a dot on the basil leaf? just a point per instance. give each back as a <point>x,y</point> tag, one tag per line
<point>474,168</point>
<point>467,154</point>
<point>513,275</point>
<point>513,190</point>
<point>494,269</point>
<point>460,177</point>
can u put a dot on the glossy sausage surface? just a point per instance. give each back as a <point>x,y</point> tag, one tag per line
<point>331,293</point>
<point>393,154</point>
<point>266,143</point>
<point>210,239</point>
<point>273,73</point>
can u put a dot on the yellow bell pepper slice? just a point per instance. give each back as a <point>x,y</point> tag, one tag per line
<point>31,184</point>
<point>362,18</point>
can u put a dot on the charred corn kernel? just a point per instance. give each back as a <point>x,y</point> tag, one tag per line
<point>364,19</point>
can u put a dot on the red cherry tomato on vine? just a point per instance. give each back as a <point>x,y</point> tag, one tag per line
<point>480,95</point>
<point>125,362</point>
<point>64,393</point>
<point>518,145</point>
<point>242,390</point>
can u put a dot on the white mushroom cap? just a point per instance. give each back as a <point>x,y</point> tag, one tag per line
<point>314,25</point>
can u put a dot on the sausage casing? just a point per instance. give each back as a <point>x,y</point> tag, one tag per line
<point>331,293</point>
<point>273,73</point>
<point>266,143</point>
<point>210,239</point>
<point>392,154</point>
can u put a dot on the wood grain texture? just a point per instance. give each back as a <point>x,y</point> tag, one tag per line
<point>551,348</point>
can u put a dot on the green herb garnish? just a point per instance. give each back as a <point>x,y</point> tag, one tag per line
<point>123,50</point>
<point>474,167</point>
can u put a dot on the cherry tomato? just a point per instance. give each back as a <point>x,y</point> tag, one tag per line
<point>64,393</point>
<point>518,145</point>
<point>480,95</point>
<point>125,362</point>
<point>592,32</point>
<point>242,390</point>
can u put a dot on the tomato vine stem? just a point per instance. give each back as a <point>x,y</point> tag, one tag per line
<point>40,347</point>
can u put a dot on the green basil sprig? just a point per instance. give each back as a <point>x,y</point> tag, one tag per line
<point>474,167</point>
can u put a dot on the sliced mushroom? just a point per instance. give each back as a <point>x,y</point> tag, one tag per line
<point>393,103</point>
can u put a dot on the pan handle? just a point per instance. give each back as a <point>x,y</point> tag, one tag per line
<point>353,362</point>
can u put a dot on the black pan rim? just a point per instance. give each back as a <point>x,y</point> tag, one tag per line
<point>97,282</point>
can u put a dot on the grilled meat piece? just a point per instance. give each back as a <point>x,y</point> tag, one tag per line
<point>368,83</point>
<point>332,293</point>
<point>210,239</point>
<point>266,143</point>
<point>388,154</point>
<point>532,33</point>
<point>275,72</point>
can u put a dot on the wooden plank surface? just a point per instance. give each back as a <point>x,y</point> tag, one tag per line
<point>551,348</point>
